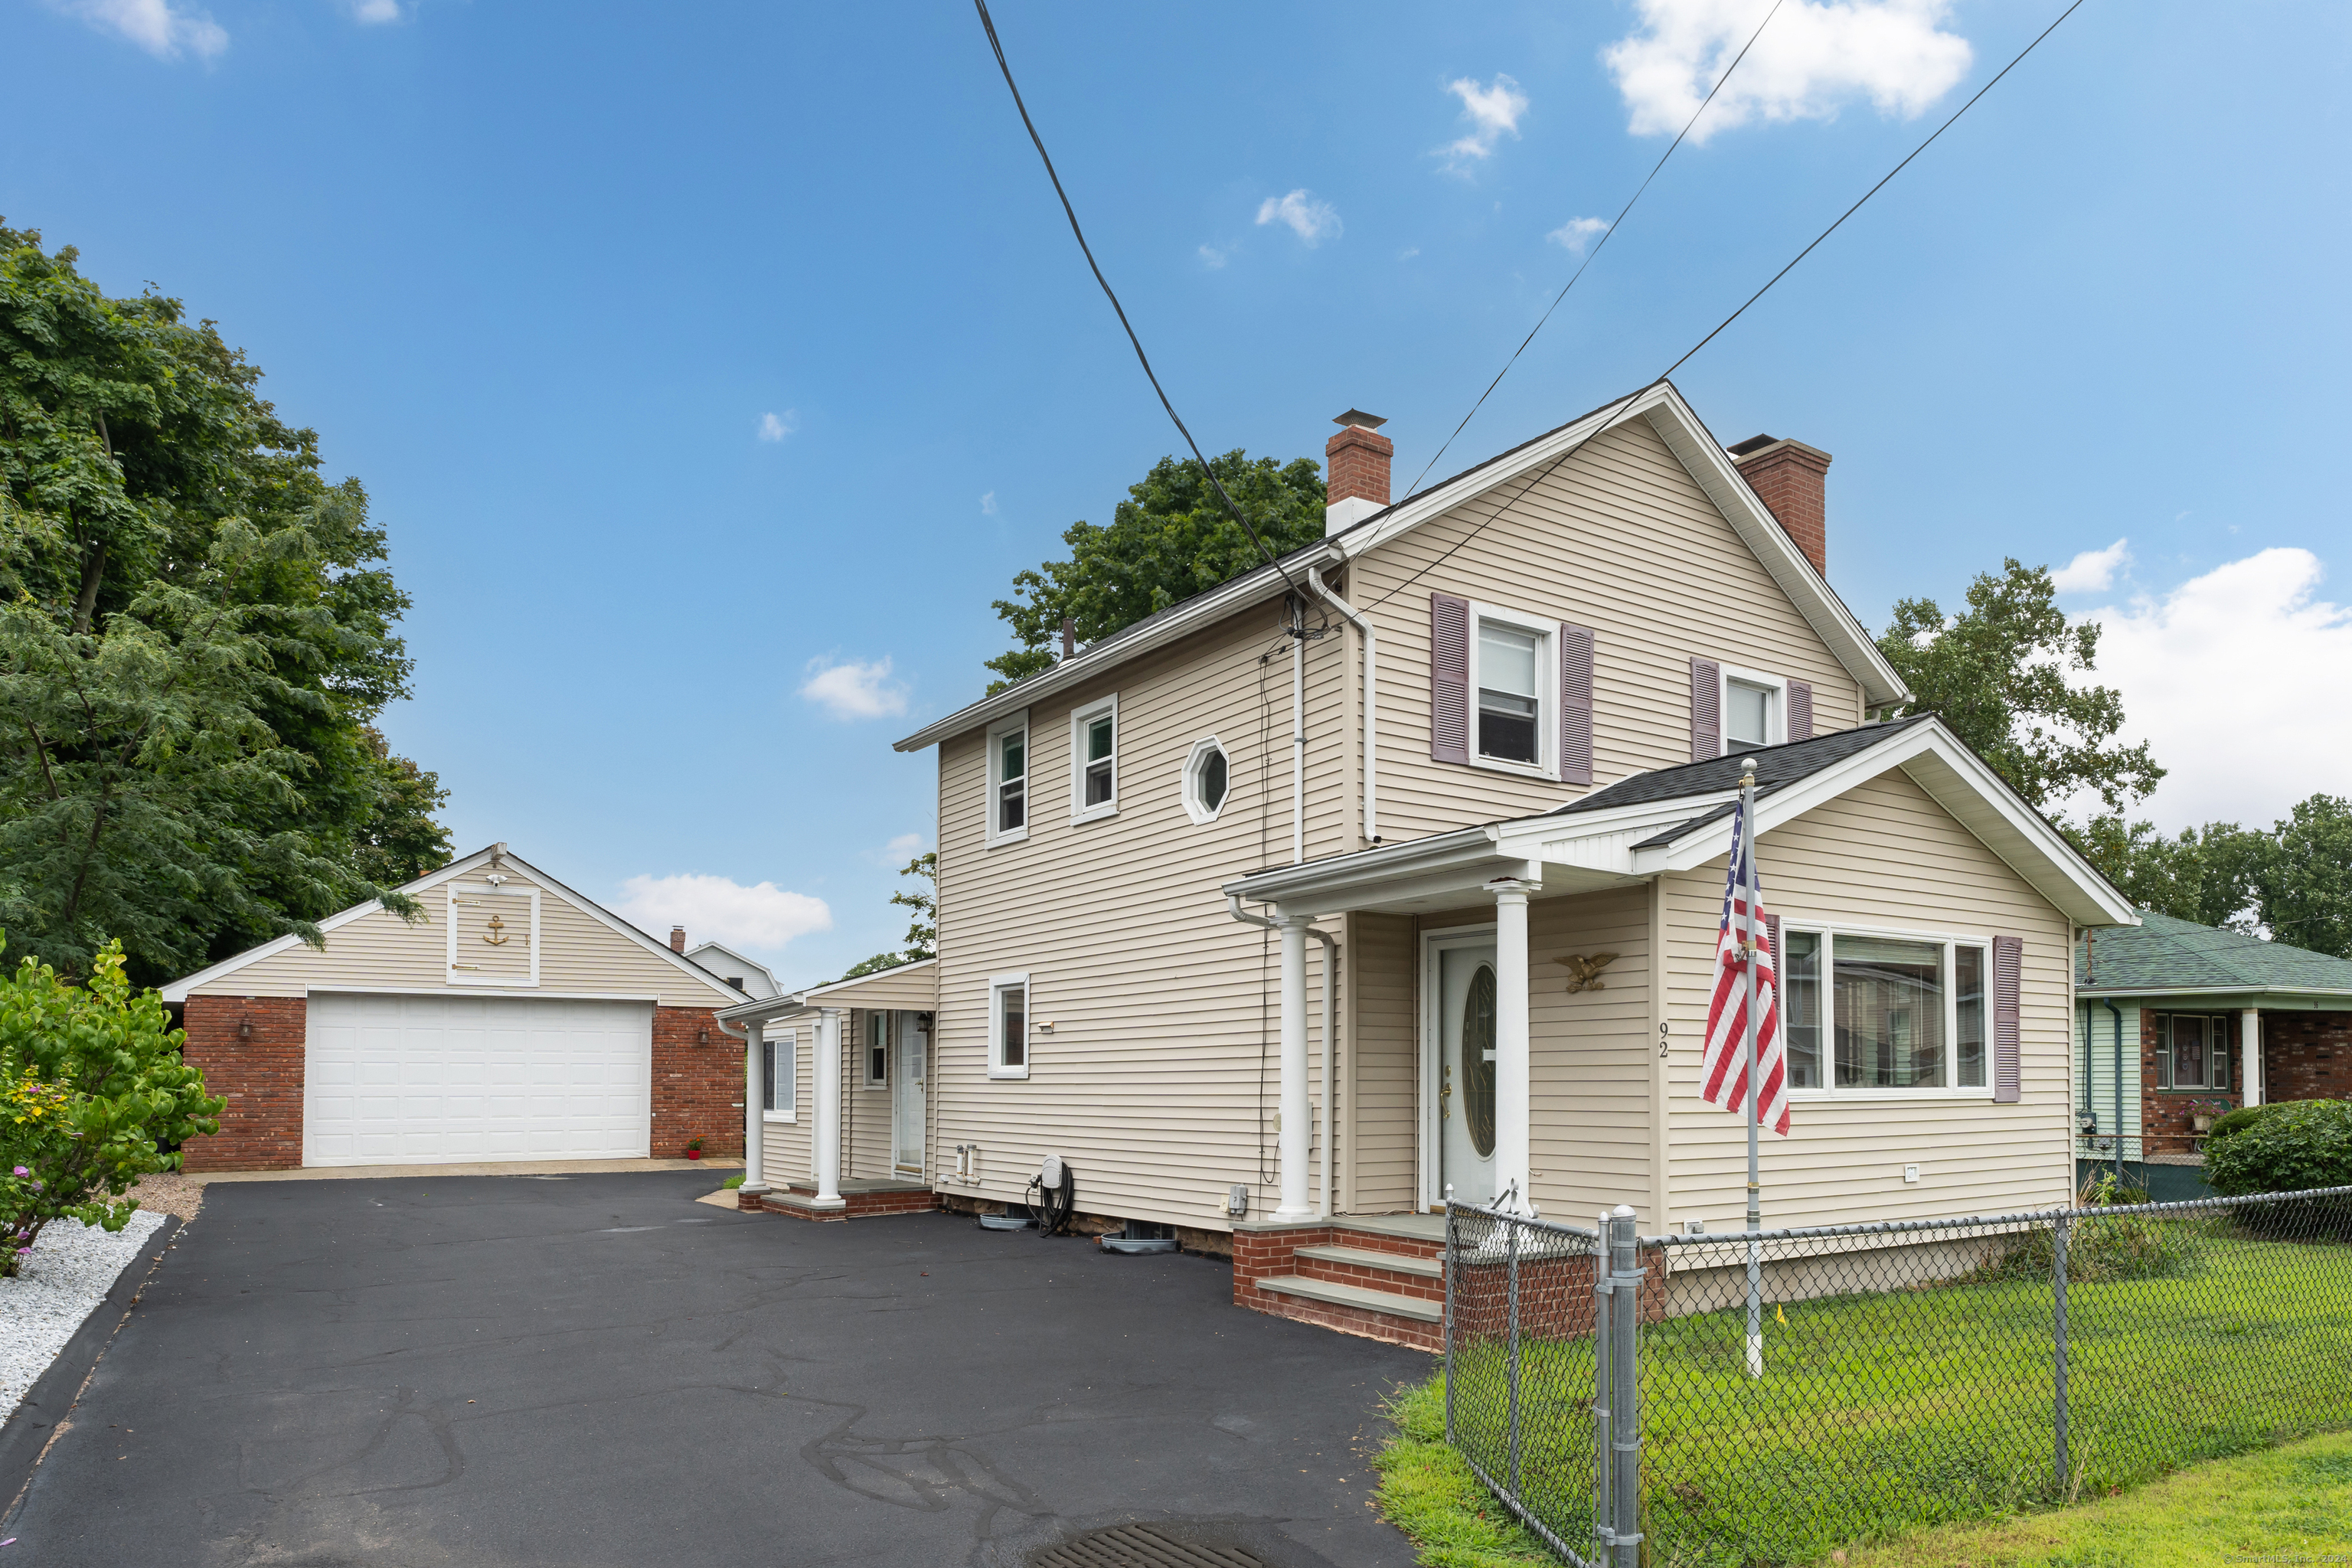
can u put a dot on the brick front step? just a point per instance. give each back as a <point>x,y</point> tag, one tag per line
<point>854,1205</point>
<point>1353,1310</point>
<point>1423,1267</point>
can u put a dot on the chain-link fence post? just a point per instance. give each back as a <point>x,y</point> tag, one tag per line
<point>1452,1260</point>
<point>2065,1223</point>
<point>1624,1414</point>
<point>1604,1461</point>
<point>1511,1353</point>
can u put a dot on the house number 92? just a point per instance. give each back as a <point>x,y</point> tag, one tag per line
<point>1662,1042</point>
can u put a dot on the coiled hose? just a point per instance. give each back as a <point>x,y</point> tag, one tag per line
<point>1056,1187</point>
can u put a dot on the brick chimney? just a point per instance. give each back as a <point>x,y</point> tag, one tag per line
<point>1356,468</point>
<point>1790,478</point>
<point>678,939</point>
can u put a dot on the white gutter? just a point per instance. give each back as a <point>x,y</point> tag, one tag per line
<point>1371,697</point>
<point>1330,1015</point>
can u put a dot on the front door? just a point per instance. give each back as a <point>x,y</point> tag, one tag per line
<point>1465,1072</point>
<point>907,1098</point>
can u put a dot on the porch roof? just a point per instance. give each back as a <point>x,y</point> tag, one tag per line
<point>909,985</point>
<point>1677,819</point>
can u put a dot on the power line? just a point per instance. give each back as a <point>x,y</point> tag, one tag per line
<point>1609,421</point>
<point>989,24</point>
<point>1600,245</point>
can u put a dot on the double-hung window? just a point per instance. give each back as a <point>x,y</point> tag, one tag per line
<point>1754,710</point>
<point>1008,778</point>
<point>1094,759</point>
<point>2192,1051</point>
<point>1008,1025</point>
<point>878,1050</point>
<point>779,1075</point>
<point>1869,1013</point>
<point>1513,678</point>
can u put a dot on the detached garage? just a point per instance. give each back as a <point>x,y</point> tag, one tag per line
<point>517,1021</point>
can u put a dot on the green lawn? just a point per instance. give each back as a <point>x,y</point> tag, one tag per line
<point>1886,1413</point>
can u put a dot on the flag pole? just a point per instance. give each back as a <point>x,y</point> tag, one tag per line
<point>1755,1187</point>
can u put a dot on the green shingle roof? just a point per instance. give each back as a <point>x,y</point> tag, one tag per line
<point>2165,955</point>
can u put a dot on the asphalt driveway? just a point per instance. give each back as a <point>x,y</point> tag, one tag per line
<point>595,1370</point>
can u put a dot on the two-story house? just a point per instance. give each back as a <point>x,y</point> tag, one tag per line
<point>1393,869</point>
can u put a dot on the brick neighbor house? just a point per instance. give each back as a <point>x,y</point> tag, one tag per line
<point>2200,1021</point>
<point>515,1020</point>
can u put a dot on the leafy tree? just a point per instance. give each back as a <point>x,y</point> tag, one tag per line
<point>2212,876</point>
<point>922,927</point>
<point>195,633</point>
<point>1998,674</point>
<point>93,1093</point>
<point>401,840</point>
<point>1171,539</point>
<point>2307,882</point>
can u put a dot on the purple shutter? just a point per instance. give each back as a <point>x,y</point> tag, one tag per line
<point>1575,704</point>
<point>2008,974</point>
<point>1449,679</point>
<point>1801,711</point>
<point>1707,710</point>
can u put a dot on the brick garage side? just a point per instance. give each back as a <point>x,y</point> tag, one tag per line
<point>261,1078</point>
<point>697,1087</point>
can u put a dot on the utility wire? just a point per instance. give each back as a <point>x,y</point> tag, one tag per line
<point>1608,420</point>
<point>989,24</point>
<point>1600,245</point>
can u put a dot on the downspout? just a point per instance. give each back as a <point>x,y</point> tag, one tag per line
<point>2118,1013</point>
<point>1371,697</point>
<point>1298,736</point>
<point>1330,1014</point>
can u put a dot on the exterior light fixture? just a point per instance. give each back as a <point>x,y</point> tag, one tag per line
<point>245,1028</point>
<point>702,1036</point>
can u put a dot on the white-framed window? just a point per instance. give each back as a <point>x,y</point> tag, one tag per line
<point>878,1050</point>
<point>1094,759</point>
<point>1008,779</point>
<point>1513,691</point>
<point>1755,708</point>
<point>779,1075</point>
<point>1008,1025</point>
<point>1873,1014</point>
<point>1208,779</point>
<point>2192,1050</point>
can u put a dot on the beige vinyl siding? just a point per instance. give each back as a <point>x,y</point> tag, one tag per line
<point>1886,857</point>
<point>1619,538</point>
<point>865,1107</point>
<point>579,955</point>
<point>914,987</point>
<point>786,1146</point>
<point>1160,1081</point>
<point>1382,1103</point>
<point>2100,1055</point>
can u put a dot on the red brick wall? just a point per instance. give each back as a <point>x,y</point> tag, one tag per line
<point>2307,1056</point>
<point>2165,1113</point>
<point>698,1088</point>
<point>1792,483</point>
<point>261,1078</point>
<point>1356,463</point>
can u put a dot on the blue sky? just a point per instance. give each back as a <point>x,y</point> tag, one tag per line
<point>704,360</point>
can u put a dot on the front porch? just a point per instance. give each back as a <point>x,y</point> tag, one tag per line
<point>861,1197</point>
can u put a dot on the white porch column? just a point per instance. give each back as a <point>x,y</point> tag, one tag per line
<point>755,1160</point>
<point>2250,1055</point>
<point>826,1133</point>
<point>1511,1043</point>
<point>1298,1123</point>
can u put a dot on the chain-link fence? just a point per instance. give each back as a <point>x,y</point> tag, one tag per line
<point>1798,1391</point>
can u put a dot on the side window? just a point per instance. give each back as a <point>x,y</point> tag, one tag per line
<point>1094,759</point>
<point>1208,779</point>
<point>1008,1027</point>
<point>878,1050</point>
<point>1510,693</point>
<point>1752,708</point>
<point>779,1073</point>
<point>1747,715</point>
<point>1008,779</point>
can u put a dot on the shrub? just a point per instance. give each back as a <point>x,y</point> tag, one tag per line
<point>91,1089</point>
<point>2299,1143</point>
<point>2237,1121</point>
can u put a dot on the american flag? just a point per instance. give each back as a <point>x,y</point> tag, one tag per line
<point>1722,1064</point>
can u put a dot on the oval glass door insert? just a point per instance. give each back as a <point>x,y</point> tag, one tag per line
<point>1479,1061</point>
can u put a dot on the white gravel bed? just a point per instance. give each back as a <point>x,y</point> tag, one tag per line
<point>65,1274</point>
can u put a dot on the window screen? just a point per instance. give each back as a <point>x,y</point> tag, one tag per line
<point>1507,724</point>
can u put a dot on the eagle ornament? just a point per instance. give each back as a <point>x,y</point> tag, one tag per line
<point>1584,973</point>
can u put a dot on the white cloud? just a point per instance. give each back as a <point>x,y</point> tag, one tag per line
<point>2093,571</point>
<point>155,26</point>
<point>1408,253</point>
<point>1309,219</point>
<point>1815,55</point>
<point>854,690</point>
<point>719,908</point>
<point>373,12</point>
<point>1493,111</point>
<point>1577,233</point>
<point>1214,258</point>
<point>776,426</point>
<point>903,849</point>
<point>2233,678</point>
<point>988,503</point>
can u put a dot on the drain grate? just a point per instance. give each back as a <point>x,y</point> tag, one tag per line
<point>1140,1546</point>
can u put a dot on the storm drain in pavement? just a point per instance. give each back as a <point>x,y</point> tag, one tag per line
<point>1140,1546</point>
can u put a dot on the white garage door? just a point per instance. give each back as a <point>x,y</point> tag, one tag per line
<point>432,1079</point>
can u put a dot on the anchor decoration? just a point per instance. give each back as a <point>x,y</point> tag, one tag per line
<point>498,934</point>
<point>1584,973</point>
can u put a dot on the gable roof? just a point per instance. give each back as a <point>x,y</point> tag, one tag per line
<point>1777,767</point>
<point>178,990</point>
<point>752,965</point>
<point>1660,405</point>
<point>2167,955</point>
<point>893,987</point>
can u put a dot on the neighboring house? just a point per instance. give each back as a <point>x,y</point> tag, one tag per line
<point>2179,1023</point>
<point>517,1020</point>
<point>747,975</point>
<point>1478,747</point>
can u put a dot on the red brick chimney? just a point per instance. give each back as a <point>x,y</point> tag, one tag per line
<point>678,939</point>
<point>1790,478</point>
<point>1356,468</point>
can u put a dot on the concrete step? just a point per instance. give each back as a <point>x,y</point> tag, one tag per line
<point>1355,1296</point>
<point>1369,1257</point>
